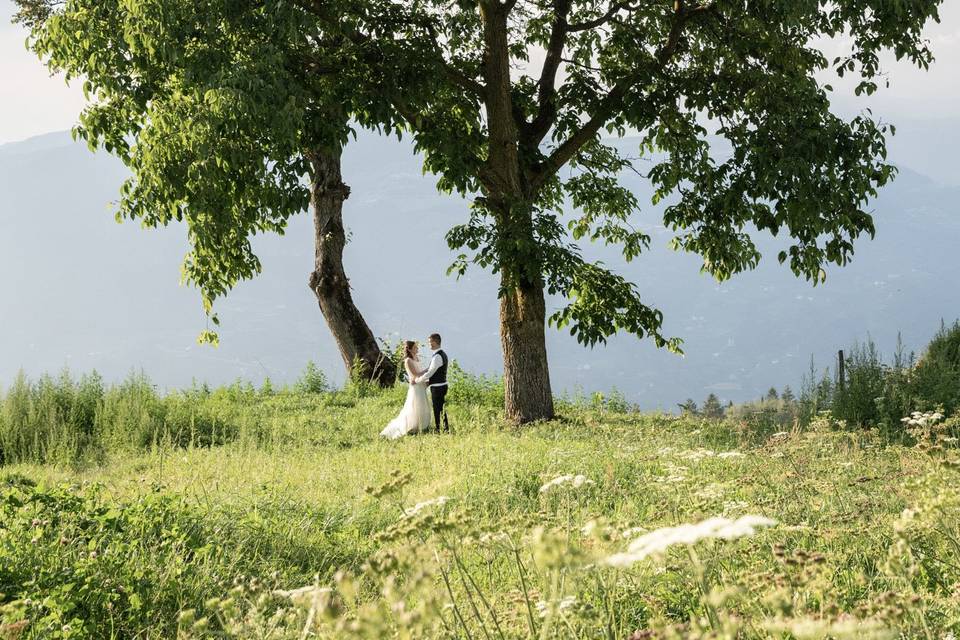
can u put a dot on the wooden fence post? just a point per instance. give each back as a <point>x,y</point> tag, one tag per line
<point>841,369</point>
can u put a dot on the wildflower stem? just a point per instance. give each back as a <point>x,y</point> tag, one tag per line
<point>552,610</point>
<point>486,603</point>
<point>453,599</point>
<point>466,590</point>
<point>526,590</point>
<point>606,607</point>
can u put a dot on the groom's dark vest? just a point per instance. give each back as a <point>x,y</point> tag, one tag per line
<point>440,375</point>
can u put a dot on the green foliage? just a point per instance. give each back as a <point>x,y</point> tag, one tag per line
<point>763,418</point>
<point>73,565</point>
<point>312,380</point>
<point>877,394</point>
<point>213,105</point>
<point>712,408</point>
<point>51,419</point>
<point>316,531</point>
<point>936,377</point>
<point>470,389</point>
<point>858,400</point>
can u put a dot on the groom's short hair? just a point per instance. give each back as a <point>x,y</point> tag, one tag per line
<point>435,337</point>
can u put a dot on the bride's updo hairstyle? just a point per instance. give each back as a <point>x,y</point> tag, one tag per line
<point>408,348</point>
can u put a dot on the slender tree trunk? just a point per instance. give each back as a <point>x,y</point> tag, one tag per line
<point>527,377</point>
<point>329,281</point>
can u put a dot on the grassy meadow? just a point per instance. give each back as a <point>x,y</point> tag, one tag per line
<point>262,513</point>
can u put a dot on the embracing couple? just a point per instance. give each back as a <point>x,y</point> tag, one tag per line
<point>415,417</point>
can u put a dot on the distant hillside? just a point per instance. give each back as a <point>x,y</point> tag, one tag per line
<point>77,288</point>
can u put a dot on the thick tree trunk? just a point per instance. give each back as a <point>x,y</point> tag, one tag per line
<point>528,396</point>
<point>329,281</point>
<point>527,377</point>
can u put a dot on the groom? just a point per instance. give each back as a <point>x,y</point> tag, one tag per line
<point>436,377</point>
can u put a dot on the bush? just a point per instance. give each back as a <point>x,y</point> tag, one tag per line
<point>875,394</point>
<point>936,376</point>
<point>468,388</point>
<point>54,419</point>
<point>312,380</point>
<point>132,414</point>
<point>858,399</point>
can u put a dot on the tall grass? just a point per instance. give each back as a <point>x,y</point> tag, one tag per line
<point>71,420</point>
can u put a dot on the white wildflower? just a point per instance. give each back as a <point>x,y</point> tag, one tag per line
<point>731,454</point>
<point>734,505</point>
<point>439,501</point>
<point>304,596</point>
<point>671,479</point>
<point>919,419</point>
<point>576,481</point>
<point>632,532</point>
<point>557,605</point>
<point>697,454</point>
<point>658,541</point>
<point>711,491</point>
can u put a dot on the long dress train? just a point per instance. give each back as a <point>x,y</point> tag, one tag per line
<point>416,415</point>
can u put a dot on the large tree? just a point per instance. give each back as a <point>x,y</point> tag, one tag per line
<point>674,73</point>
<point>220,109</point>
<point>503,95</point>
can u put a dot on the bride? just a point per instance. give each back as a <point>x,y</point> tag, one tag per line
<point>416,413</point>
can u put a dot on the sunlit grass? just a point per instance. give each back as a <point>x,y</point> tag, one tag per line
<point>288,502</point>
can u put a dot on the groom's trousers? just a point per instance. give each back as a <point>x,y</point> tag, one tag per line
<point>439,396</point>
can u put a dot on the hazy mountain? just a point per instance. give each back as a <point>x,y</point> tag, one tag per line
<point>77,288</point>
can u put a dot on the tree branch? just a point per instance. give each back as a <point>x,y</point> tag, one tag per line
<point>546,86</point>
<point>613,100</point>
<point>451,73</point>
<point>612,11</point>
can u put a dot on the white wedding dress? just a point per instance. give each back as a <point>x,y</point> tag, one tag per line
<point>417,412</point>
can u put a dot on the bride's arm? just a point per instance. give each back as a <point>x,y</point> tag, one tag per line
<point>412,371</point>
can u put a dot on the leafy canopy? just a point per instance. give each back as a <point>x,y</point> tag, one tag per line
<point>677,74</point>
<point>212,104</point>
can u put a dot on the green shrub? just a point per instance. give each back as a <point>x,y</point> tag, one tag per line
<point>936,376</point>
<point>468,388</point>
<point>312,380</point>
<point>858,398</point>
<point>132,414</point>
<point>53,419</point>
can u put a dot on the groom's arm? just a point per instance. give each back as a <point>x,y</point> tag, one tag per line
<point>432,369</point>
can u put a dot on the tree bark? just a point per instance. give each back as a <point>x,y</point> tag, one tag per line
<point>528,396</point>
<point>329,282</point>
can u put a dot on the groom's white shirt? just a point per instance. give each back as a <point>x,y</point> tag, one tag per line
<point>435,363</point>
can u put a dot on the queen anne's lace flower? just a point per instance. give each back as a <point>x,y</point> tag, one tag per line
<point>304,596</point>
<point>439,501</point>
<point>576,481</point>
<point>658,541</point>
<point>544,607</point>
<point>918,419</point>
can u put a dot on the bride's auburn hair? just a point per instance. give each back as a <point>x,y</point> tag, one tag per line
<point>408,348</point>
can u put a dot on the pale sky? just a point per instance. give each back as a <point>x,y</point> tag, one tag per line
<point>33,103</point>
